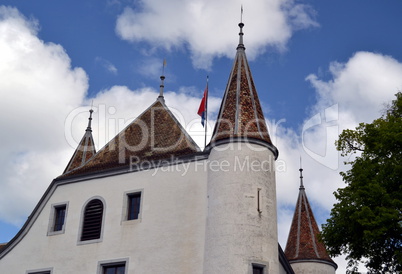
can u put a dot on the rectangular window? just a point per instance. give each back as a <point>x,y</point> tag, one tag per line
<point>41,271</point>
<point>114,269</point>
<point>59,217</point>
<point>257,269</point>
<point>119,266</point>
<point>133,205</point>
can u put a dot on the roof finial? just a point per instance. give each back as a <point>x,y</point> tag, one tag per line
<point>90,117</point>
<point>160,97</point>
<point>241,14</point>
<point>301,175</point>
<point>241,25</point>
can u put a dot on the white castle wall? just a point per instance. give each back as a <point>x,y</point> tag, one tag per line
<point>312,268</point>
<point>237,235</point>
<point>169,237</point>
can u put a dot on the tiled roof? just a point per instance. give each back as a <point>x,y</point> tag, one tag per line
<point>84,151</point>
<point>240,114</point>
<point>155,135</point>
<point>303,243</point>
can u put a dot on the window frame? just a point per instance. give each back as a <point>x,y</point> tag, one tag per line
<point>260,266</point>
<point>48,270</point>
<point>82,218</point>
<point>114,262</point>
<point>126,206</point>
<point>52,219</point>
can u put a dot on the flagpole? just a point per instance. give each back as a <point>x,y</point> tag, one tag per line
<point>206,115</point>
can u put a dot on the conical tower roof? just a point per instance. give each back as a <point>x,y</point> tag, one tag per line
<point>85,149</point>
<point>240,115</point>
<point>303,243</point>
<point>154,135</point>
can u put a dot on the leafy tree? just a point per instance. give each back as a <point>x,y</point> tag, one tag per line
<point>366,221</point>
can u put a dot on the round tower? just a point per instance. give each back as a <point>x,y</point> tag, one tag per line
<point>241,231</point>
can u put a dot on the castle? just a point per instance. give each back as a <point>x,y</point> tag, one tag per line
<point>127,208</point>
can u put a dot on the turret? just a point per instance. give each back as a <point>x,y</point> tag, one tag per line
<point>241,230</point>
<point>305,252</point>
<point>85,149</point>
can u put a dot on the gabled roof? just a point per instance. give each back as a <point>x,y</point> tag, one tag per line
<point>85,149</point>
<point>303,243</point>
<point>240,115</point>
<point>155,135</point>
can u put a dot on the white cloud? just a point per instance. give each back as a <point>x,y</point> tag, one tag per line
<point>38,88</point>
<point>43,118</point>
<point>196,25</point>
<point>360,86</point>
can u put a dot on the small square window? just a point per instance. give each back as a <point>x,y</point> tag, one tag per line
<point>133,205</point>
<point>258,269</point>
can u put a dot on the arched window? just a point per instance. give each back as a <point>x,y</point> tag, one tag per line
<point>92,223</point>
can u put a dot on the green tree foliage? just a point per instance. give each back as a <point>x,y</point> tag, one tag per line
<point>366,221</point>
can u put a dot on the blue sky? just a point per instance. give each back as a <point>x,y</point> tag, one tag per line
<point>319,67</point>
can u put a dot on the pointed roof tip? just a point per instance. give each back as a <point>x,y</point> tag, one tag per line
<point>162,85</point>
<point>241,43</point>
<point>301,175</point>
<point>240,116</point>
<point>303,242</point>
<point>89,128</point>
<point>241,25</point>
<point>85,149</point>
<point>301,179</point>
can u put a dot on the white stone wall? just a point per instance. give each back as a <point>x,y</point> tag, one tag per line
<point>237,235</point>
<point>169,237</point>
<point>312,268</point>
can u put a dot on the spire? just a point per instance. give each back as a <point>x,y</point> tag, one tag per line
<point>85,149</point>
<point>90,120</point>
<point>241,115</point>
<point>161,87</point>
<point>241,25</point>
<point>303,244</point>
<point>301,176</point>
